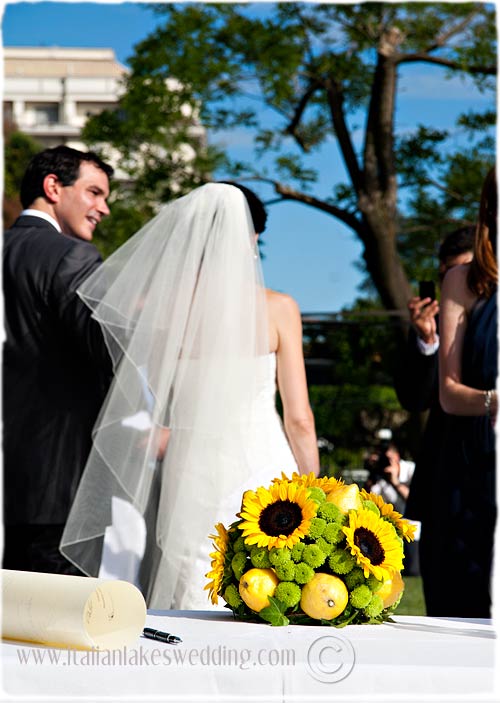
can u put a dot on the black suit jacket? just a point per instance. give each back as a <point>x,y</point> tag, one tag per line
<point>56,370</point>
<point>417,388</point>
<point>417,383</point>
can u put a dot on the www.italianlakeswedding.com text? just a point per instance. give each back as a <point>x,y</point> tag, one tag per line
<point>219,655</point>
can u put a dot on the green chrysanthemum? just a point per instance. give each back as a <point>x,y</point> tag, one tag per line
<point>297,551</point>
<point>315,493</point>
<point>303,573</point>
<point>279,555</point>
<point>334,533</point>
<point>285,571</point>
<point>360,596</point>
<point>325,546</point>
<point>288,593</point>
<point>374,607</point>
<point>232,597</point>
<point>239,545</point>
<point>373,583</point>
<point>354,578</point>
<point>341,562</point>
<point>238,564</point>
<point>330,512</point>
<point>313,555</point>
<point>259,556</point>
<point>370,505</point>
<point>317,527</point>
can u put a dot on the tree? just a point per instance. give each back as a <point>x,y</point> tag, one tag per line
<point>317,70</point>
<point>18,151</point>
<point>161,149</point>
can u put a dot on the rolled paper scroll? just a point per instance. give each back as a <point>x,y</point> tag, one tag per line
<point>70,611</point>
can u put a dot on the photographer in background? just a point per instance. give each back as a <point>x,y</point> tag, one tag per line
<point>389,475</point>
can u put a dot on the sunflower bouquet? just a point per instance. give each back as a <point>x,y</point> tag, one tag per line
<point>310,550</point>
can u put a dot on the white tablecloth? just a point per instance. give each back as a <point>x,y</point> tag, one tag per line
<point>413,659</point>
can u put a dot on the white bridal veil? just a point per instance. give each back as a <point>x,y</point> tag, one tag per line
<point>182,308</point>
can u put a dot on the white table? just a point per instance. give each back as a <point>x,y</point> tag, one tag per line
<point>414,659</point>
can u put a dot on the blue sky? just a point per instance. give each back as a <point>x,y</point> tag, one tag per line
<point>307,254</point>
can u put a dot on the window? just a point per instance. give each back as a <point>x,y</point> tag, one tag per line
<point>46,114</point>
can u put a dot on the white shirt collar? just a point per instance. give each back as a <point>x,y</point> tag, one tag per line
<point>31,212</point>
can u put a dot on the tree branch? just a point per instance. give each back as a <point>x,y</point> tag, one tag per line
<point>335,103</point>
<point>291,128</point>
<point>441,41</point>
<point>426,58</point>
<point>288,193</point>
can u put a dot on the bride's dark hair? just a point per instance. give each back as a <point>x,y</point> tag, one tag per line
<point>255,204</point>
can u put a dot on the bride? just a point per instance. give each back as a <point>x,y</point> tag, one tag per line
<point>198,345</point>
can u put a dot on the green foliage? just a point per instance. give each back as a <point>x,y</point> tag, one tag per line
<point>19,148</point>
<point>274,612</point>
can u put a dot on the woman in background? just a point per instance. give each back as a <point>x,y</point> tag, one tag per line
<point>468,375</point>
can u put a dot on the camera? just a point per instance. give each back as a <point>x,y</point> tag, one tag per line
<point>378,461</point>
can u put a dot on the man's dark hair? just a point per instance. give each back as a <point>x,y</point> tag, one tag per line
<point>255,204</point>
<point>62,161</point>
<point>457,242</point>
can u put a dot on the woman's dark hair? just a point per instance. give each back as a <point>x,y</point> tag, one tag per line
<point>62,161</point>
<point>483,272</point>
<point>457,242</point>
<point>255,204</point>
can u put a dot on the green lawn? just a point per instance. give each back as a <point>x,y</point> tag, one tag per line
<point>412,602</point>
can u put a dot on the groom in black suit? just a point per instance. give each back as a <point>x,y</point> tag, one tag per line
<point>55,366</point>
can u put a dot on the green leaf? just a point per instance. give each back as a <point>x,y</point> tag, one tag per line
<point>274,613</point>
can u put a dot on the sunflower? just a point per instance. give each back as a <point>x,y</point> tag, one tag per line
<point>326,483</point>
<point>404,528</point>
<point>221,540</point>
<point>278,516</point>
<point>375,544</point>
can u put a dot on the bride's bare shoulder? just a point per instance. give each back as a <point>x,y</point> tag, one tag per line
<point>280,304</point>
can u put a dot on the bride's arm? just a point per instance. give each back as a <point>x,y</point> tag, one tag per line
<point>297,414</point>
<point>456,302</point>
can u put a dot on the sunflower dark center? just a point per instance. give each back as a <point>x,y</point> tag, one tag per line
<point>280,518</point>
<point>369,545</point>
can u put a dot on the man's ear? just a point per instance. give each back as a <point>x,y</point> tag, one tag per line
<point>52,188</point>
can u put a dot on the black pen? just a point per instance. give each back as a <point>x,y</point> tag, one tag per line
<point>160,636</point>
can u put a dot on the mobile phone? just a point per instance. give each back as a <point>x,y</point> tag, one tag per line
<point>427,289</point>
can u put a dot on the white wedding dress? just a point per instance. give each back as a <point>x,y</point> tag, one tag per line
<point>267,453</point>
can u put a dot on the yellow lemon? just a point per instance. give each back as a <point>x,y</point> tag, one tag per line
<point>255,587</point>
<point>391,589</point>
<point>346,498</point>
<point>324,597</point>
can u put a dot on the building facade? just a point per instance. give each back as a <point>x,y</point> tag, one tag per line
<point>49,92</point>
